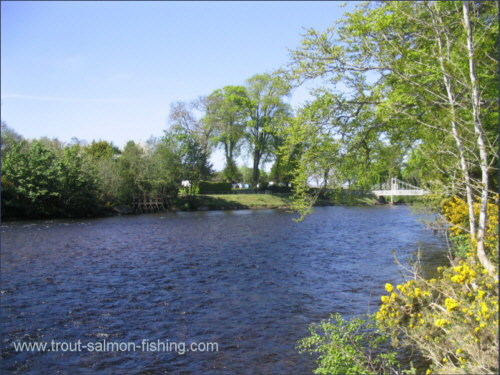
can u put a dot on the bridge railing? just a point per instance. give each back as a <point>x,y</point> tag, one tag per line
<point>400,192</point>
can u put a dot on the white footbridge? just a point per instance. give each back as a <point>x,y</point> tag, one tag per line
<point>395,187</point>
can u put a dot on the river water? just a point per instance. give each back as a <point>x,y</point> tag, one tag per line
<point>250,281</point>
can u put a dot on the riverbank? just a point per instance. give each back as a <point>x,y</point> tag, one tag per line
<point>220,202</point>
<point>260,201</point>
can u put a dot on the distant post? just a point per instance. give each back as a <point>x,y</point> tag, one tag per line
<point>392,189</point>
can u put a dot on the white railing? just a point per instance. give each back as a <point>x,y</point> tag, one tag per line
<point>400,192</point>
<point>395,187</point>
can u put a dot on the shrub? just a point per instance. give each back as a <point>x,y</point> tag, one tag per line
<point>349,346</point>
<point>456,211</point>
<point>453,319</point>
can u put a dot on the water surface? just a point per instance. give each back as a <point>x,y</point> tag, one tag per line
<point>252,281</point>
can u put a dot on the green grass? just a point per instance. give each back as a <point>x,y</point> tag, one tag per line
<point>253,201</point>
<point>244,201</point>
<point>347,200</point>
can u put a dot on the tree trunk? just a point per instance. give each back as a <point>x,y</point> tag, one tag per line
<point>227,153</point>
<point>231,152</point>
<point>478,129</point>
<point>256,162</point>
<point>456,137</point>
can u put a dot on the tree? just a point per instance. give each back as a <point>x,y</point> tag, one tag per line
<point>200,129</point>
<point>266,112</point>
<point>246,174</point>
<point>228,112</point>
<point>429,70</point>
<point>164,168</point>
<point>131,167</point>
<point>77,186</point>
<point>41,183</point>
<point>102,150</point>
<point>100,159</point>
<point>9,137</point>
<point>193,163</point>
<point>35,176</point>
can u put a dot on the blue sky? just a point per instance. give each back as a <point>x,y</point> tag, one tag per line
<point>110,70</point>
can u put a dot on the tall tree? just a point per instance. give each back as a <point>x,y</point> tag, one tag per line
<point>164,168</point>
<point>193,163</point>
<point>78,186</point>
<point>229,113</point>
<point>200,128</point>
<point>131,168</point>
<point>100,159</point>
<point>266,112</point>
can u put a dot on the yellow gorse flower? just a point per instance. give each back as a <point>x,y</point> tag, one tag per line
<point>440,322</point>
<point>459,307</point>
<point>450,304</point>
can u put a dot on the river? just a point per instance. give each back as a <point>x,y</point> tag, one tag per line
<point>251,281</point>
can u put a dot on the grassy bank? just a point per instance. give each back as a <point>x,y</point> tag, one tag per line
<point>233,201</point>
<point>259,201</point>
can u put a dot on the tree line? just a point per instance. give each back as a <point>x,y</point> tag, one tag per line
<point>46,178</point>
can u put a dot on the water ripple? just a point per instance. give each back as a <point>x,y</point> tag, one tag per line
<point>250,280</point>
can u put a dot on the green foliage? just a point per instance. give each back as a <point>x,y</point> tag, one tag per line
<point>267,114</point>
<point>39,182</point>
<point>78,187</point>
<point>192,161</point>
<point>284,166</point>
<point>102,150</point>
<point>8,139</point>
<point>246,174</point>
<point>460,246</point>
<point>354,346</point>
<point>228,111</point>
<point>231,172</point>
<point>163,169</point>
<point>44,178</point>
<point>130,166</point>
<point>207,187</point>
<point>392,116</point>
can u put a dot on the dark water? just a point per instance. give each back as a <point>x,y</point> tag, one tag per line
<point>251,281</point>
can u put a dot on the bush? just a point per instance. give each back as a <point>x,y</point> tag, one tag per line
<point>453,319</point>
<point>207,187</point>
<point>353,346</point>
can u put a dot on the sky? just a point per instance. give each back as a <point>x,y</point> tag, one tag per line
<point>110,70</point>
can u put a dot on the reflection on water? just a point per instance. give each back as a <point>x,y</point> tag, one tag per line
<point>251,281</point>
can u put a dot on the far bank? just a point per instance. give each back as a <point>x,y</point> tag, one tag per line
<point>205,202</point>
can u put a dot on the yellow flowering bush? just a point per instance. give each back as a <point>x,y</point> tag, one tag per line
<point>449,317</point>
<point>456,212</point>
<point>453,319</point>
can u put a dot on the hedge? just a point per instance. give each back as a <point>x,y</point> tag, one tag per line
<point>207,187</point>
